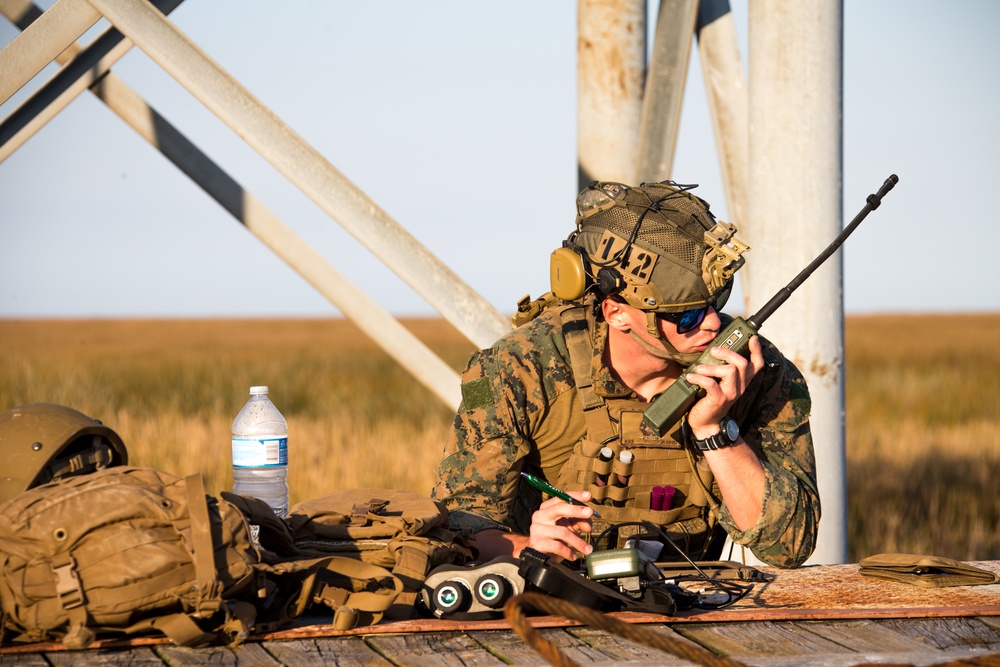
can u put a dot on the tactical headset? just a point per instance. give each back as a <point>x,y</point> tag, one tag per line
<point>657,246</point>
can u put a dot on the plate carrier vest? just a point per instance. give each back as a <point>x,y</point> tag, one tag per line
<point>624,491</point>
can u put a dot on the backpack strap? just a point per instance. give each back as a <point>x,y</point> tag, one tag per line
<point>321,587</point>
<point>412,565</point>
<point>578,322</point>
<point>181,627</point>
<point>209,585</point>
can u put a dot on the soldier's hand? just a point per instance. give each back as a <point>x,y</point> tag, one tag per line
<point>557,527</point>
<point>723,384</point>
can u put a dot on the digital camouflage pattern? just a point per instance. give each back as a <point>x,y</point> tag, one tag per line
<point>520,411</point>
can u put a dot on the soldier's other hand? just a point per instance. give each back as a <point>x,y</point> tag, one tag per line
<point>557,528</point>
<point>723,384</point>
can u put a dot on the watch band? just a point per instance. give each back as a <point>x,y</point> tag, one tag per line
<point>729,433</point>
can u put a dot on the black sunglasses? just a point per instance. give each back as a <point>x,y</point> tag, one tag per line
<point>689,319</point>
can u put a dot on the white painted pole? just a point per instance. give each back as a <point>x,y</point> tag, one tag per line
<point>664,89</point>
<point>313,174</point>
<point>81,68</point>
<point>611,68</point>
<point>795,211</point>
<point>382,327</point>
<point>395,339</point>
<point>726,88</point>
<point>28,53</point>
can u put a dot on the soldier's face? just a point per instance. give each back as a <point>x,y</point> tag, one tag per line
<point>697,339</point>
<point>626,318</point>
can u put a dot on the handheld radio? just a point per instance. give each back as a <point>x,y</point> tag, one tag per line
<point>667,408</point>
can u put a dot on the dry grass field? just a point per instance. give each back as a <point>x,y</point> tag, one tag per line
<point>923,423</point>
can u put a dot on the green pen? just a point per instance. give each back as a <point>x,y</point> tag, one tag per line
<point>545,487</point>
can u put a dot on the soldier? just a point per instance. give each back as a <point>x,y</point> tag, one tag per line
<point>637,290</point>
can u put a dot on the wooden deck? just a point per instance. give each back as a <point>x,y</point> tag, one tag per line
<point>824,615</point>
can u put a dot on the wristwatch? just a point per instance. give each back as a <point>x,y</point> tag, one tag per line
<point>727,436</point>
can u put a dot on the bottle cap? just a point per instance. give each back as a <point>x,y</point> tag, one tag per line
<point>258,390</point>
<point>607,454</point>
<point>626,457</point>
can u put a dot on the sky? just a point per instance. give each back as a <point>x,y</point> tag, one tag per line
<point>459,120</point>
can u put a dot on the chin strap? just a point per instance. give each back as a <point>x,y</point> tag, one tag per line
<point>668,351</point>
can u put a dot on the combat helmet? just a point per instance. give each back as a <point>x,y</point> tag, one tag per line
<point>656,246</point>
<point>40,442</point>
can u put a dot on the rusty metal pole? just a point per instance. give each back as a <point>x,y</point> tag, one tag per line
<point>795,209</point>
<point>611,68</point>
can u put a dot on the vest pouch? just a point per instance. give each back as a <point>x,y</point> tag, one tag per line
<point>579,473</point>
<point>688,527</point>
<point>687,522</point>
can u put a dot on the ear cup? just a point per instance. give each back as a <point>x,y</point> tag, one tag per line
<point>566,274</point>
<point>609,280</point>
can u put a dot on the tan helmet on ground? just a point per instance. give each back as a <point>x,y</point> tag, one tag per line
<point>41,442</point>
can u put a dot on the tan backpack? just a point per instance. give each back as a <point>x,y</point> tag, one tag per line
<point>129,550</point>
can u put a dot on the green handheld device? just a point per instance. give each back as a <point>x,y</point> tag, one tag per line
<point>667,408</point>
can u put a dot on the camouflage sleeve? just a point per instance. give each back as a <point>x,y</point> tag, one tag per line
<point>777,427</point>
<point>477,475</point>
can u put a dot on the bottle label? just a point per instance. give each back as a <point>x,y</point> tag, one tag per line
<point>260,452</point>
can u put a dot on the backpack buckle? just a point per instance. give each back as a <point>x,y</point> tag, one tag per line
<point>68,588</point>
<point>360,512</point>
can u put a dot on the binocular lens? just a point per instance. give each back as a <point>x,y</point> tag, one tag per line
<point>451,596</point>
<point>492,590</point>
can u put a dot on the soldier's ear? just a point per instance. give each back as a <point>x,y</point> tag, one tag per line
<point>617,314</point>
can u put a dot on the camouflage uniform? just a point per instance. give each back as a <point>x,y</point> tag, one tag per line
<point>521,411</point>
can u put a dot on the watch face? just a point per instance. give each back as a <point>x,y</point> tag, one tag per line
<point>732,430</point>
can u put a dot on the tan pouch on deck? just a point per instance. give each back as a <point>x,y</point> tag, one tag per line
<point>925,571</point>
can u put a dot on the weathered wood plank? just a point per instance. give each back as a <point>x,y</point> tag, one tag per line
<point>579,651</point>
<point>948,633</point>
<point>133,657</point>
<point>922,659</point>
<point>758,638</point>
<point>992,621</point>
<point>341,652</point>
<point>861,636</point>
<point>588,646</point>
<point>635,653</point>
<point>510,648</point>
<point>438,648</point>
<point>245,655</point>
<point>23,660</point>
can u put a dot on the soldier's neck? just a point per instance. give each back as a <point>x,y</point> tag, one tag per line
<point>635,368</point>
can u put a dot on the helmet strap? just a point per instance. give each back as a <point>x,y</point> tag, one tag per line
<point>667,351</point>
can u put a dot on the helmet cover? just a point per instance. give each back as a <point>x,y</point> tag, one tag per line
<point>40,442</point>
<point>655,245</point>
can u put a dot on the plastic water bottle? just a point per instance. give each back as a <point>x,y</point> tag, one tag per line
<point>260,452</point>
